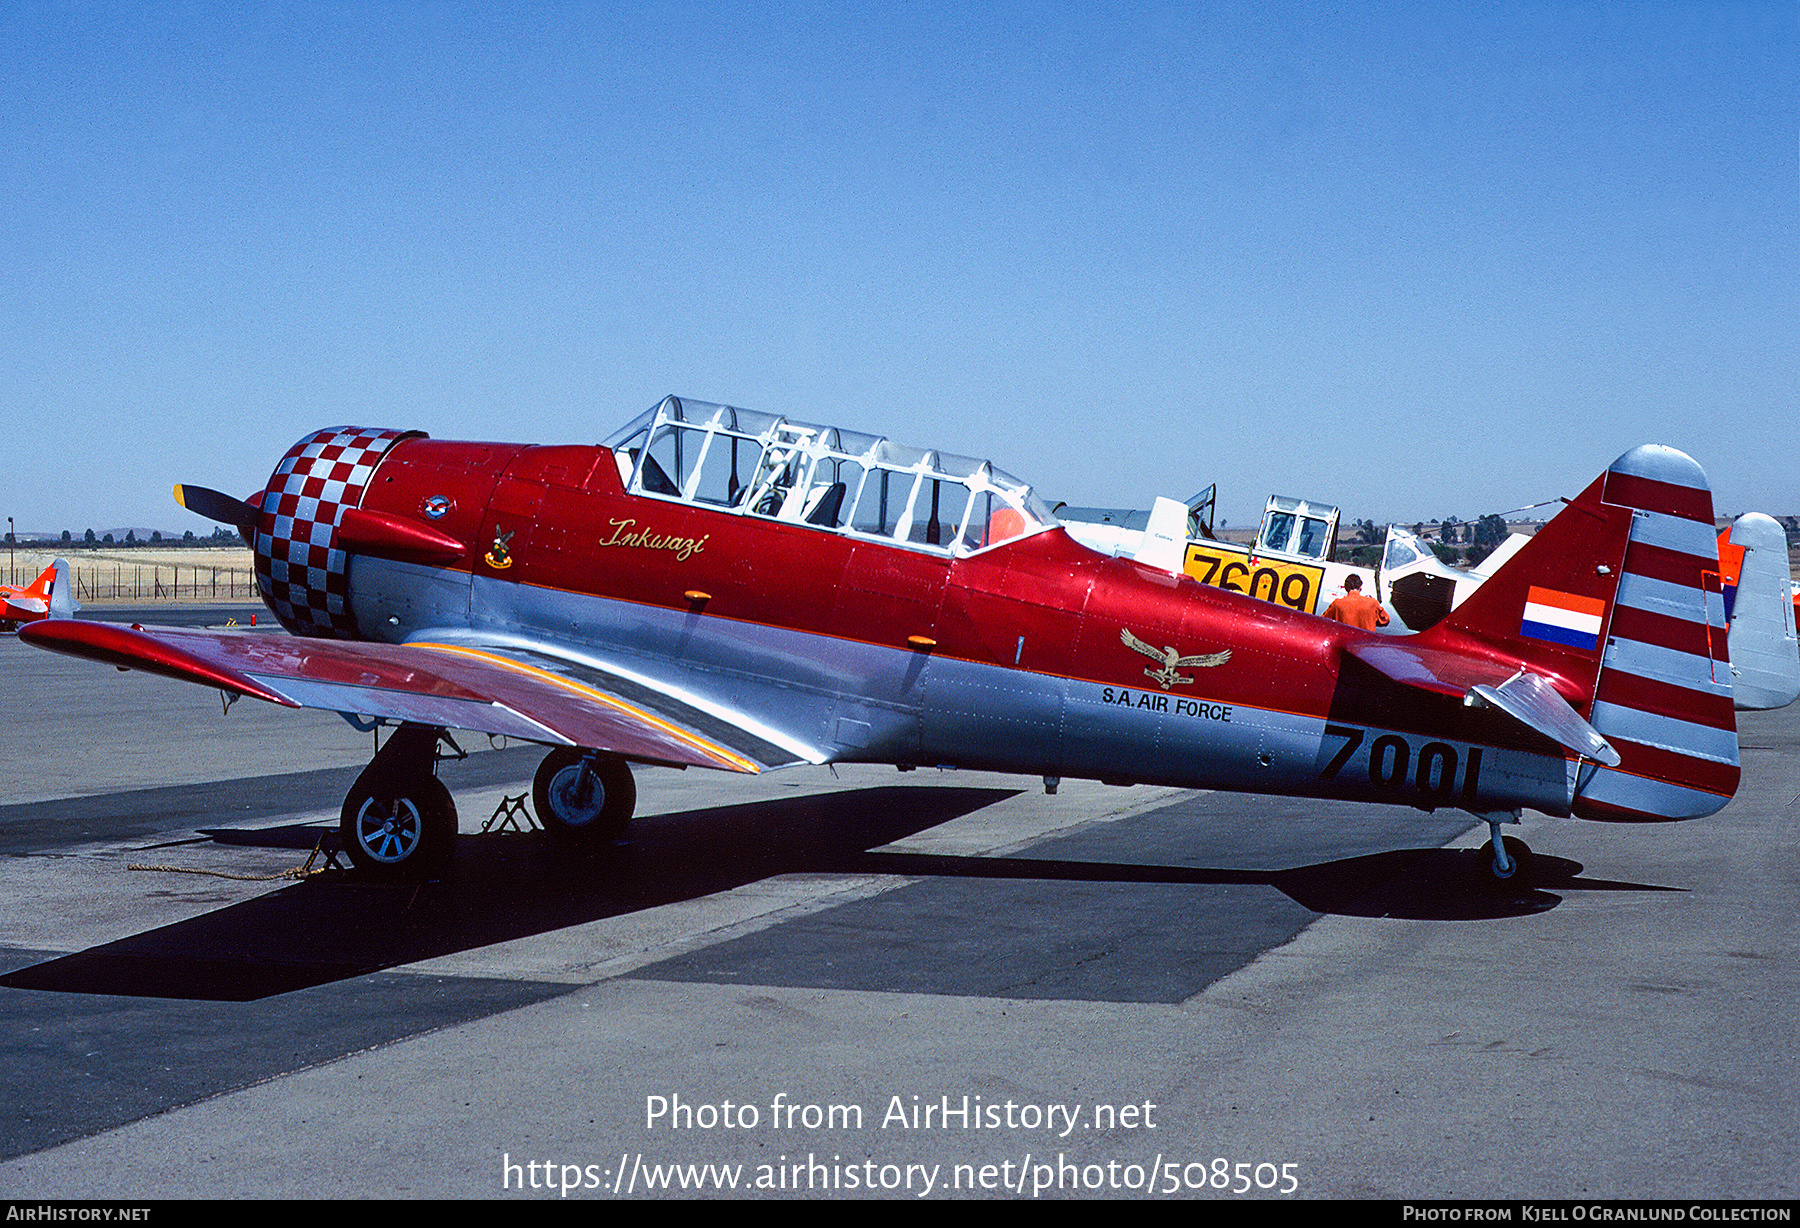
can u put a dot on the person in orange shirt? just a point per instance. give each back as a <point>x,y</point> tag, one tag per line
<point>1356,609</point>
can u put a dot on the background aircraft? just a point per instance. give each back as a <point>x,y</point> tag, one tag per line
<point>1291,563</point>
<point>1292,559</point>
<point>48,596</point>
<point>719,588</point>
<point>1765,654</point>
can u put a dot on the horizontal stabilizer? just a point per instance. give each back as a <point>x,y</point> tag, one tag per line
<point>1480,682</point>
<point>1439,670</point>
<point>1534,703</point>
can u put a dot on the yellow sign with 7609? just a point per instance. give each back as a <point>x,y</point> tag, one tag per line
<point>1294,585</point>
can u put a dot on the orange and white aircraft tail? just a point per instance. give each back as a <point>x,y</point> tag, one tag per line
<point>1617,605</point>
<point>51,595</point>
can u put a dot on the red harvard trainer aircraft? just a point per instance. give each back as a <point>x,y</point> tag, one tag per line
<point>719,588</point>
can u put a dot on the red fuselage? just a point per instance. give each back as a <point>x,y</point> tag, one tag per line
<point>1056,689</point>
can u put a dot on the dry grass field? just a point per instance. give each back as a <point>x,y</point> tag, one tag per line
<point>144,573</point>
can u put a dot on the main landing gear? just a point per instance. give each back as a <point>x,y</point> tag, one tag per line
<point>583,796</point>
<point>399,822</point>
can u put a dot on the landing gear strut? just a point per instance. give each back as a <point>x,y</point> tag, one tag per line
<point>398,821</point>
<point>584,796</point>
<point>1512,858</point>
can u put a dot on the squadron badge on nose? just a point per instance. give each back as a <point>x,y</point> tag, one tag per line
<point>500,557</point>
<point>1172,660</point>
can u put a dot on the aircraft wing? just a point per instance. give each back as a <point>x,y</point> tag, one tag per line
<point>459,686</point>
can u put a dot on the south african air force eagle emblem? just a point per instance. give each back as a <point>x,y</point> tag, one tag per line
<point>1172,660</point>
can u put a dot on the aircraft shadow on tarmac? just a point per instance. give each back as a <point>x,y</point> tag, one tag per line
<point>513,885</point>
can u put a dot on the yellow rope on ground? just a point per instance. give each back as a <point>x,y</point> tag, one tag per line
<point>298,872</point>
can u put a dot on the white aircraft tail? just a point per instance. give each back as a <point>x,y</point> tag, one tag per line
<point>1765,656</point>
<point>1165,537</point>
<point>62,591</point>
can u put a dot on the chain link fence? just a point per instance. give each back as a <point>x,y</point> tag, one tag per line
<point>164,578</point>
<point>153,582</point>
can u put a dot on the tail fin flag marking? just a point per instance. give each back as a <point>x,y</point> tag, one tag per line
<point>1563,618</point>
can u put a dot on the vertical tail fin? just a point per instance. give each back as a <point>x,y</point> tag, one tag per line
<point>1665,686</point>
<point>1765,657</point>
<point>41,587</point>
<point>61,591</point>
<point>1617,603</point>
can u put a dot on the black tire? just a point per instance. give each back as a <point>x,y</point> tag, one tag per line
<point>399,834</point>
<point>584,797</point>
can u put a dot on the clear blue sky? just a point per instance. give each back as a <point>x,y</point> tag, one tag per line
<point>1419,259</point>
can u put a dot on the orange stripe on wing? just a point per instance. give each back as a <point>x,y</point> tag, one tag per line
<point>728,757</point>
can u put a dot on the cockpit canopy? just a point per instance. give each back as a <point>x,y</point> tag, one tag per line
<point>863,485</point>
<point>1297,528</point>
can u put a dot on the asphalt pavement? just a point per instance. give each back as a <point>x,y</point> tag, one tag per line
<point>827,984</point>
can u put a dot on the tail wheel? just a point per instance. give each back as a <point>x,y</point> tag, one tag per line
<point>584,796</point>
<point>399,833</point>
<point>1518,869</point>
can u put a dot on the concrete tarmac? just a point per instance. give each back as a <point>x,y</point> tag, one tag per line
<point>830,984</point>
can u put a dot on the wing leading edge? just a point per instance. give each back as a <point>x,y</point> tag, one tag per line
<point>456,686</point>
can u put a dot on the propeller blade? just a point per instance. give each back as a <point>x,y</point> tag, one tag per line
<point>217,506</point>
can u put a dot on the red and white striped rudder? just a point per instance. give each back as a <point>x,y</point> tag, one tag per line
<point>1664,694</point>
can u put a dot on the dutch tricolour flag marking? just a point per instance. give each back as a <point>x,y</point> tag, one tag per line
<point>1563,618</point>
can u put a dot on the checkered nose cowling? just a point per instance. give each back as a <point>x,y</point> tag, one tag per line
<point>301,571</point>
